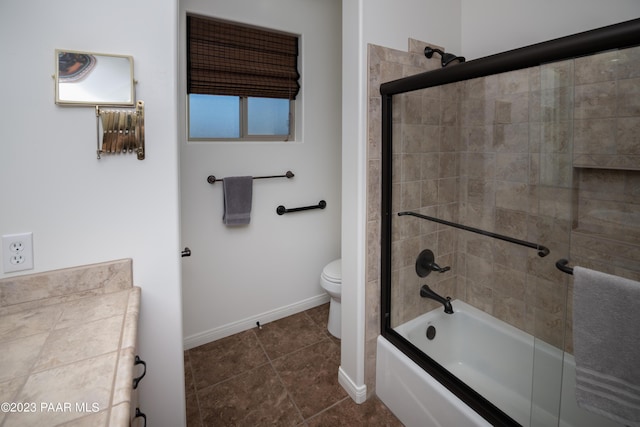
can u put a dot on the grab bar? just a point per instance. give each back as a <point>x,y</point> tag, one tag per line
<point>542,250</point>
<point>211,179</point>
<point>281,210</point>
<point>561,265</point>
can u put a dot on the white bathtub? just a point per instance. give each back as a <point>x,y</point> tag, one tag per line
<point>504,364</point>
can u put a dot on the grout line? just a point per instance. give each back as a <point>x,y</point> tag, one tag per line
<point>306,312</point>
<point>327,408</point>
<point>303,348</point>
<point>195,390</point>
<point>293,402</point>
<point>325,336</point>
<point>230,378</point>
<point>236,375</point>
<point>289,395</point>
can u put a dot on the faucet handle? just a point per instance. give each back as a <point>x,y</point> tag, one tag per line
<point>436,267</point>
<point>425,264</point>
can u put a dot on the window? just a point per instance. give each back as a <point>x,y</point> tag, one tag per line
<point>241,81</point>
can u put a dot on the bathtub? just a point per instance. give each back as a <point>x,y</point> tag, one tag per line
<point>528,379</point>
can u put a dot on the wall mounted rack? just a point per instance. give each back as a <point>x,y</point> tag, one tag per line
<point>211,179</point>
<point>122,130</point>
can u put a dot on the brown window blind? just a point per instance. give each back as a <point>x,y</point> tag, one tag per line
<point>230,59</point>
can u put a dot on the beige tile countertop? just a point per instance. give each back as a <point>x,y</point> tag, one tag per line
<point>67,346</point>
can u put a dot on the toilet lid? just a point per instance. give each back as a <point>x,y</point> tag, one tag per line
<point>333,271</point>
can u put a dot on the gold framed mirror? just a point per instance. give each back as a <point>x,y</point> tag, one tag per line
<point>96,79</point>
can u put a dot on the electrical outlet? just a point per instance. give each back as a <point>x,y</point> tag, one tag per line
<point>17,252</point>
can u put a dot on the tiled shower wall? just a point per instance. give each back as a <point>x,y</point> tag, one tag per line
<point>549,154</point>
<point>605,228</point>
<point>384,65</point>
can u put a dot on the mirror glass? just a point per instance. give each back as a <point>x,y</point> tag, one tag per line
<point>87,78</point>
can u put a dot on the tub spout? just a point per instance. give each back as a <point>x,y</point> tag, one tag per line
<point>427,292</point>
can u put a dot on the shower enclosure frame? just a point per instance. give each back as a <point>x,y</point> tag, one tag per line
<point>618,36</point>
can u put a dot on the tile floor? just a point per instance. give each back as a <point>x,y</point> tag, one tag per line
<point>285,374</point>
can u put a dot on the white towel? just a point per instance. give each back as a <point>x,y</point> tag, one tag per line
<point>606,341</point>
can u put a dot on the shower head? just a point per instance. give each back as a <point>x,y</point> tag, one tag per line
<point>447,58</point>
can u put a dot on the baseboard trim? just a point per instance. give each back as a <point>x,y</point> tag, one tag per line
<point>245,324</point>
<point>357,393</point>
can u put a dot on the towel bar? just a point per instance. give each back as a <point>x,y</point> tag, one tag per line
<point>211,179</point>
<point>281,210</point>
<point>542,250</point>
<point>561,265</point>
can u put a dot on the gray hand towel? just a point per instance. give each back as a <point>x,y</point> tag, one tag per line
<point>238,191</point>
<point>606,341</point>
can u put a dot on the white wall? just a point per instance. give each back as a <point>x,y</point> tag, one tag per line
<point>353,199</point>
<point>270,268</point>
<point>494,26</point>
<point>391,24</point>
<point>82,210</point>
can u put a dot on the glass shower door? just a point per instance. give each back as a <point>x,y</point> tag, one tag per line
<point>586,115</point>
<point>551,139</point>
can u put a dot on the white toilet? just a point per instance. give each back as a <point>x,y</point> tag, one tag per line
<point>331,281</point>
